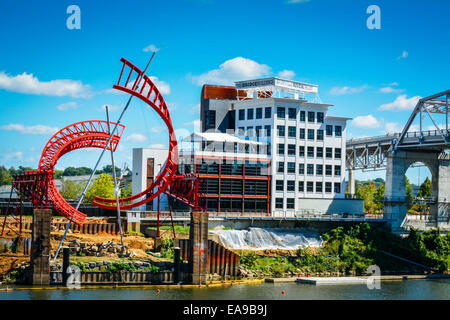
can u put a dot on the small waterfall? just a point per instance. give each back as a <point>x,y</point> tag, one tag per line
<point>259,239</point>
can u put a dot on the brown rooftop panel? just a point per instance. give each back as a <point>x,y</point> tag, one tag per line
<point>218,92</point>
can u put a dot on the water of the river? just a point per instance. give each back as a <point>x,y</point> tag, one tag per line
<point>409,289</point>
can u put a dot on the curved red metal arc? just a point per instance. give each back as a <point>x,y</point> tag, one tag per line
<point>150,94</point>
<point>85,134</point>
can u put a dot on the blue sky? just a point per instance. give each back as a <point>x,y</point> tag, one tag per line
<point>373,76</point>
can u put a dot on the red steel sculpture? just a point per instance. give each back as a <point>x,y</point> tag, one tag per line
<point>39,186</point>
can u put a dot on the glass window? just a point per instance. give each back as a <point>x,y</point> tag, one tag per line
<point>311,116</point>
<point>241,131</point>
<point>301,151</point>
<point>329,153</point>
<point>301,168</point>
<point>281,148</point>
<point>281,112</point>
<point>250,132</point>
<point>310,169</point>
<point>310,152</point>
<point>281,130</point>
<point>329,130</point>
<point>337,170</point>
<point>258,113</point>
<point>290,203</point>
<point>291,185</point>
<point>292,112</point>
<point>291,149</point>
<point>309,186</point>
<point>302,116</point>
<point>337,153</point>
<point>258,130</point>
<point>310,134</point>
<point>338,131</point>
<point>319,152</point>
<point>292,132</point>
<point>267,129</point>
<point>291,167</point>
<point>267,112</point>
<point>279,185</point>
<point>337,187</point>
<point>320,117</point>
<point>319,134</point>
<point>328,170</point>
<point>328,187</point>
<point>279,203</point>
<point>301,186</point>
<point>249,114</point>
<point>319,186</point>
<point>319,169</point>
<point>302,133</point>
<point>241,114</point>
<point>280,168</point>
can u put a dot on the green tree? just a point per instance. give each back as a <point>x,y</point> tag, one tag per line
<point>379,198</point>
<point>425,189</point>
<point>409,193</point>
<point>126,192</point>
<point>5,176</point>
<point>367,193</point>
<point>81,171</point>
<point>71,190</point>
<point>103,187</point>
<point>108,169</point>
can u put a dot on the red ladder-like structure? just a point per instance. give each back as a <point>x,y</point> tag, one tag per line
<point>39,186</point>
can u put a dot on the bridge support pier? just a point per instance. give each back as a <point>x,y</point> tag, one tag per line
<point>395,205</point>
<point>198,246</point>
<point>40,247</point>
<point>351,182</point>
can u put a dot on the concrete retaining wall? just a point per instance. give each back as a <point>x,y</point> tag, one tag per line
<point>330,206</point>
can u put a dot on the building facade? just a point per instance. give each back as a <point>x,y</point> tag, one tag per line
<point>268,146</point>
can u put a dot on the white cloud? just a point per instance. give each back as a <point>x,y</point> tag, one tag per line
<point>389,89</point>
<point>392,127</point>
<point>135,137</point>
<point>18,155</point>
<point>286,74</point>
<point>404,55</point>
<point>393,84</point>
<point>37,129</point>
<point>29,84</point>
<point>337,91</point>
<point>232,70</point>
<point>163,87</point>
<point>151,48</point>
<point>368,121</point>
<point>401,103</point>
<point>67,106</point>
<point>395,127</point>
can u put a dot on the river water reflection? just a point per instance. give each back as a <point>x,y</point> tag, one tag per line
<point>409,289</point>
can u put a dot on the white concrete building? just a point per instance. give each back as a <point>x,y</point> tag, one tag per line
<point>307,145</point>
